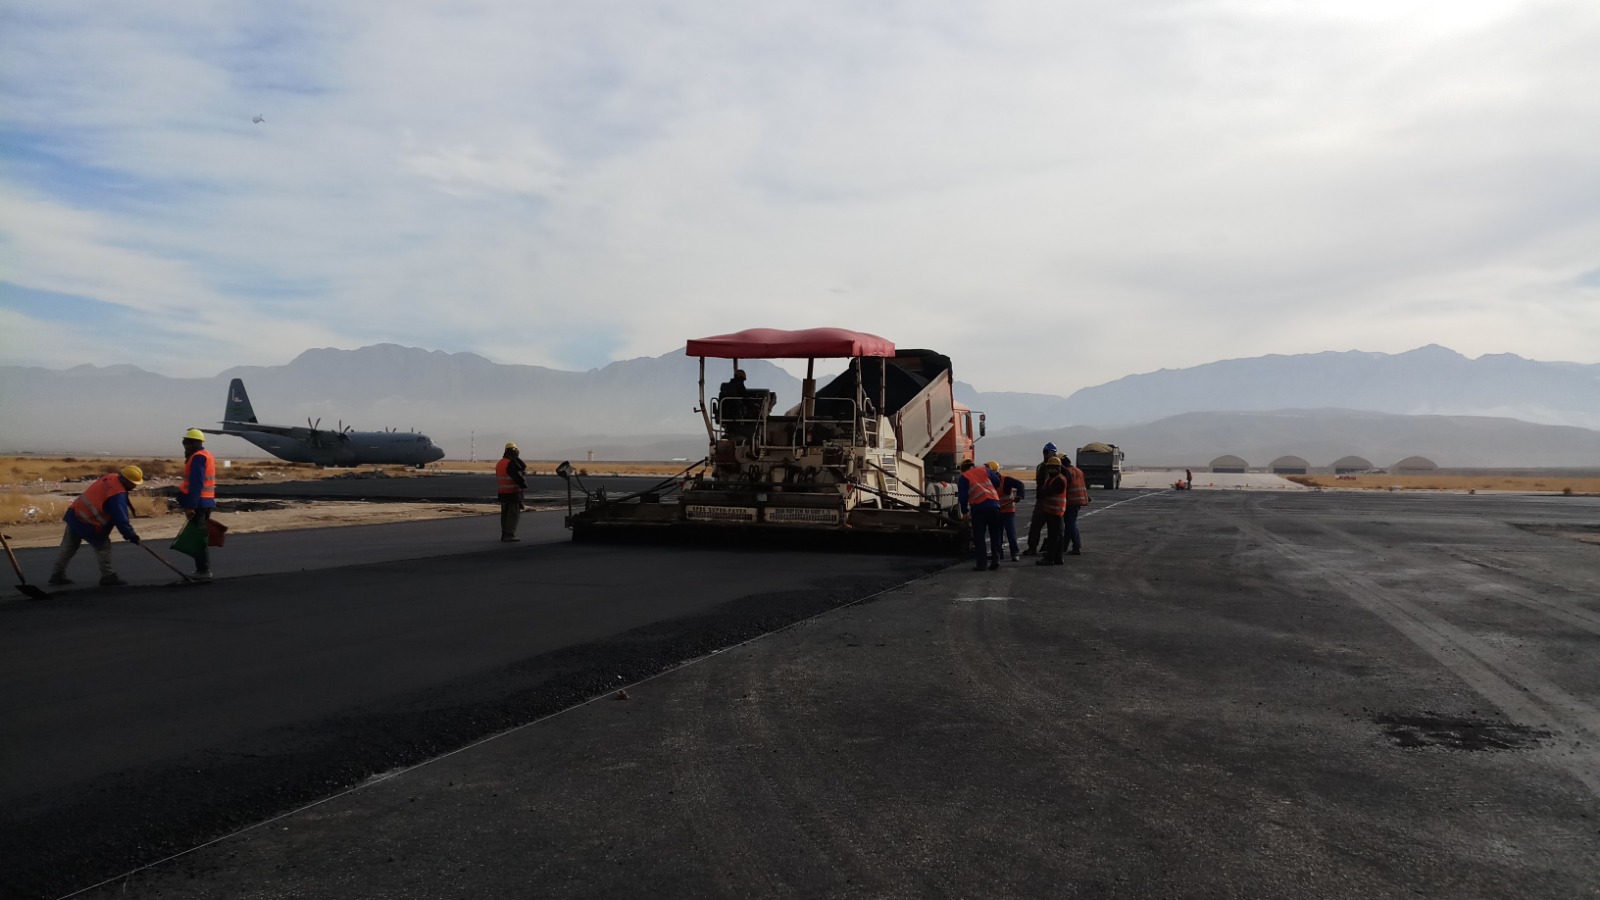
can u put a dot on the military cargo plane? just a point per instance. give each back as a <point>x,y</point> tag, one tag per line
<point>325,447</point>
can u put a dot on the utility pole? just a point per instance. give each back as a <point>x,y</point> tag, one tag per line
<point>472,446</point>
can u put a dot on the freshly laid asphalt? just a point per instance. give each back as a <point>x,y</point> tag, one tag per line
<point>1230,694</point>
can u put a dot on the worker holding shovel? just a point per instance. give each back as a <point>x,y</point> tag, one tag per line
<point>91,517</point>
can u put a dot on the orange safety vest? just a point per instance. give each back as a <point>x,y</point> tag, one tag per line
<point>208,486</point>
<point>1053,502</point>
<point>1008,502</point>
<point>502,474</point>
<point>91,504</point>
<point>979,488</point>
<point>1077,488</point>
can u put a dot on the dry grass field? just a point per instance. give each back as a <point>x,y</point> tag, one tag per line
<point>19,508</point>
<point>22,470</point>
<point>1520,484</point>
<point>38,489</point>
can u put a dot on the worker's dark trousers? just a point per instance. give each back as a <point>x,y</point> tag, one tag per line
<point>986,524</point>
<point>1074,539</point>
<point>202,557</point>
<point>510,513</point>
<point>1052,540</point>
<point>1035,525</point>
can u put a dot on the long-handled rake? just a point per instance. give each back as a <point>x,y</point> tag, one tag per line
<point>187,579</point>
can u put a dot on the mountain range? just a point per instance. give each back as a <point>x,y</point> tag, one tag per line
<point>1497,410</point>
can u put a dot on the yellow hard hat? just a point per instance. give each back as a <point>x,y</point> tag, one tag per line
<point>510,445</point>
<point>194,434</point>
<point>992,465</point>
<point>133,474</point>
<point>1054,460</point>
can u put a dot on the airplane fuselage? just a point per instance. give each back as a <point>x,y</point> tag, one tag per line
<point>353,448</point>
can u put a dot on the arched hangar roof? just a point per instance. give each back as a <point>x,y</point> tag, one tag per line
<point>1351,464</point>
<point>1229,462</point>
<point>1416,464</point>
<point>1289,462</point>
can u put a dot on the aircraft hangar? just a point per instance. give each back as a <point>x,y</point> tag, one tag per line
<point>1351,465</point>
<point>1289,465</point>
<point>1229,464</point>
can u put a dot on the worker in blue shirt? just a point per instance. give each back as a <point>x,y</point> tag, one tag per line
<point>978,492</point>
<point>1011,491</point>
<point>91,517</point>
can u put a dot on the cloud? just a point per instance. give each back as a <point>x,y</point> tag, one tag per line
<point>1105,188</point>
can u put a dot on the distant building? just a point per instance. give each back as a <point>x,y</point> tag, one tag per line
<point>1415,464</point>
<point>1352,465</point>
<point>1229,464</point>
<point>1289,465</point>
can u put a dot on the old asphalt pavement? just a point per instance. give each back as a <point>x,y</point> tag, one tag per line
<point>1230,694</point>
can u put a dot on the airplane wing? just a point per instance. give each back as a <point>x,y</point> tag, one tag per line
<point>242,427</point>
<point>294,432</point>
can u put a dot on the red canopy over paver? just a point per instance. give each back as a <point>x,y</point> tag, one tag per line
<point>773,343</point>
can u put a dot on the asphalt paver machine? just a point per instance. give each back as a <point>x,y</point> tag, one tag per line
<point>873,453</point>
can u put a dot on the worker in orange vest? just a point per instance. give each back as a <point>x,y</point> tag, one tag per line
<point>1050,505</point>
<point>978,491</point>
<point>197,494</point>
<point>1077,498</point>
<point>1037,522</point>
<point>1011,491</point>
<point>509,485</point>
<point>92,516</point>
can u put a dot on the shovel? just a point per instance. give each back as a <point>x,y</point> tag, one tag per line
<point>28,590</point>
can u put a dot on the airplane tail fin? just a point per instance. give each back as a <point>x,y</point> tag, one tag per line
<point>238,409</point>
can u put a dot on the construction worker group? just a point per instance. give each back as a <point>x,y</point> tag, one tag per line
<point>105,506</point>
<point>988,499</point>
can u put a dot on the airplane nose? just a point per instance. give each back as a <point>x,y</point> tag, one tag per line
<point>436,454</point>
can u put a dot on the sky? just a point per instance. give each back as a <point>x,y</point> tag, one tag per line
<point>1055,194</point>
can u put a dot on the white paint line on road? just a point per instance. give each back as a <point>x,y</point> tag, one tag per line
<point>1085,515</point>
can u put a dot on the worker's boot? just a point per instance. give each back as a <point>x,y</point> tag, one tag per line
<point>201,575</point>
<point>59,578</point>
<point>112,580</point>
<point>1030,552</point>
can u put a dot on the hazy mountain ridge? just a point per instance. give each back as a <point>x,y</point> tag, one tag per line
<point>1321,436</point>
<point>636,408</point>
<point>1430,380</point>
<point>449,396</point>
